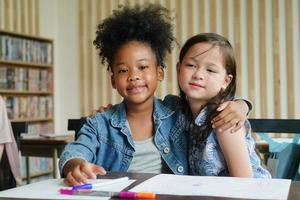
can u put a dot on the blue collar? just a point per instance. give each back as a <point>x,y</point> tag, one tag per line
<point>119,117</point>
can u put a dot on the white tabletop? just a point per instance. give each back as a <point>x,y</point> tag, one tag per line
<point>49,189</point>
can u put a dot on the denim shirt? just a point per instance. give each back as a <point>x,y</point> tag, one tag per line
<point>207,159</point>
<point>106,139</point>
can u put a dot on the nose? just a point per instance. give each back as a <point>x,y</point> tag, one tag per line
<point>134,76</point>
<point>198,74</point>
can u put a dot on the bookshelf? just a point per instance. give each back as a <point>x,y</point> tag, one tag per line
<point>26,85</point>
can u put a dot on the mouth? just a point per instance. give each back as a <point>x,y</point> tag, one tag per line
<point>135,89</point>
<point>197,85</point>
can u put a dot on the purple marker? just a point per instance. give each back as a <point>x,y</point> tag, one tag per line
<point>83,186</point>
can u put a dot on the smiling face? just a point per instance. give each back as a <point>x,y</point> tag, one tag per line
<point>201,74</point>
<point>135,72</point>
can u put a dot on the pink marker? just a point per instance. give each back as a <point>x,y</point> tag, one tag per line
<point>121,195</point>
<point>67,191</point>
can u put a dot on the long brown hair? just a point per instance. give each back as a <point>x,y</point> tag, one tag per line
<point>203,131</point>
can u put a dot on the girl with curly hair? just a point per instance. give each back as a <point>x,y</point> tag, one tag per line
<point>143,133</point>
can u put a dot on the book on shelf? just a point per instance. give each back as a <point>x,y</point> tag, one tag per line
<point>26,85</point>
<point>25,50</point>
<point>22,107</point>
<point>25,79</point>
<point>40,128</point>
<point>38,166</point>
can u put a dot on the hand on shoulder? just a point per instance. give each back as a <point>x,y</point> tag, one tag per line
<point>232,116</point>
<point>100,109</point>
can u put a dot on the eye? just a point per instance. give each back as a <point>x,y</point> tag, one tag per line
<point>122,71</point>
<point>211,70</point>
<point>190,65</point>
<point>143,67</point>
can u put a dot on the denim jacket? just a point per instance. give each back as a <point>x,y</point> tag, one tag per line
<point>106,140</point>
<point>206,158</point>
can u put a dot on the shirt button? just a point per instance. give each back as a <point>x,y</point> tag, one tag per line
<point>166,150</point>
<point>180,169</point>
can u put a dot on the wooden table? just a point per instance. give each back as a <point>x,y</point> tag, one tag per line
<point>43,147</point>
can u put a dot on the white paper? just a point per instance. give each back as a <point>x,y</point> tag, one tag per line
<point>52,135</point>
<point>45,135</point>
<point>249,188</point>
<point>49,189</point>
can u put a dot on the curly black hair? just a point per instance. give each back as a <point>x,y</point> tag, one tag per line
<point>150,24</point>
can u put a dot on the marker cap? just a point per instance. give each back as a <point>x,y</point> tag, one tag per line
<point>146,195</point>
<point>83,186</point>
<point>67,191</point>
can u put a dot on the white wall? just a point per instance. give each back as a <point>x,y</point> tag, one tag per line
<point>59,20</point>
<point>264,35</point>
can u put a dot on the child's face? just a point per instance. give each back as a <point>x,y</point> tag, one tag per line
<point>135,72</point>
<point>202,73</point>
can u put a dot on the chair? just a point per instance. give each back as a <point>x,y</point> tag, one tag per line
<point>275,125</point>
<point>76,124</point>
<point>289,155</point>
<point>18,128</point>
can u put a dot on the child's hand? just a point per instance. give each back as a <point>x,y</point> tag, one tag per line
<point>79,171</point>
<point>231,117</point>
<point>100,109</point>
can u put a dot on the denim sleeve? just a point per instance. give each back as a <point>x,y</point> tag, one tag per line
<point>84,147</point>
<point>217,163</point>
<point>258,170</point>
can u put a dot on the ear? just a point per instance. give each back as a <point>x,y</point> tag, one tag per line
<point>227,81</point>
<point>112,80</point>
<point>160,73</point>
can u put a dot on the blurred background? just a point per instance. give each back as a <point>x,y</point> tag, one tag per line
<point>264,33</point>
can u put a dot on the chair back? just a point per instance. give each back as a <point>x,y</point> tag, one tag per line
<point>275,125</point>
<point>284,158</point>
<point>76,124</point>
<point>18,128</point>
